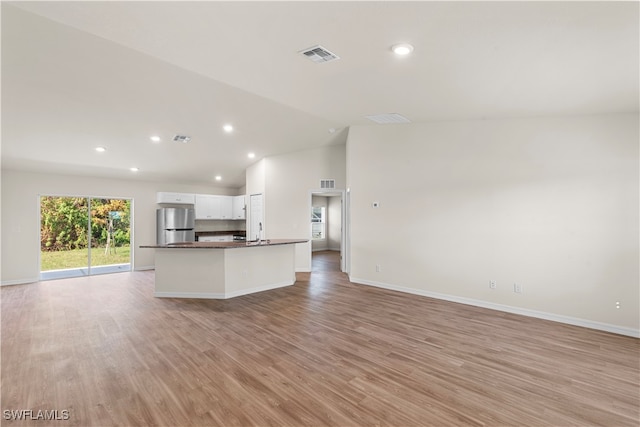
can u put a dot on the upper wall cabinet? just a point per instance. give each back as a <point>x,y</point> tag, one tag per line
<point>176,198</point>
<point>239,204</point>
<point>207,206</point>
<point>226,207</point>
<point>213,207</point>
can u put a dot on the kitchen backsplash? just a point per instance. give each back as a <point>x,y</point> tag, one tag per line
<point>220,225</point>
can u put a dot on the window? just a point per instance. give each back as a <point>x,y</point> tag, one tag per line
<point>82,236</point>
<point>318,226</point>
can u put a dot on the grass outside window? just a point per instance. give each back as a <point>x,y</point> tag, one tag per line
<point>77,258</point>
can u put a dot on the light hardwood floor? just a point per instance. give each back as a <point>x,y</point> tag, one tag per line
<point>321,352</point>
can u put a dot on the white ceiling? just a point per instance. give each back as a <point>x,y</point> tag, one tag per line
<point>76,75</point>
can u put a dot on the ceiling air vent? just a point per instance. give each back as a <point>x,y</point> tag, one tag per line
<point>319,54</point>
<point>327,183</point>
<point>181,138</point>
<point>388,118</point>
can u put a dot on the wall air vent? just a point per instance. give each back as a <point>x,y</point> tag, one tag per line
<point>181,138</point>
<point>388,118</point>
<point>319,54</point>
<point>327,183</point>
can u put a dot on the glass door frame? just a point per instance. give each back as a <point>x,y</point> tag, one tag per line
<point>59,274</point>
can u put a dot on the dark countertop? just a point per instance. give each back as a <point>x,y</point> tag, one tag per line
<point>226,245</point>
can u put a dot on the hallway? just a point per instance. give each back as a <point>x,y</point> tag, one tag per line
<point>325,261</point>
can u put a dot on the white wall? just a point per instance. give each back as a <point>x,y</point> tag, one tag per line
<point>21,221</point>
<point>288,180</point>
<point>255,184</point>
<point>321,244</point>
<point>334,226</point>
<point>551,204</point>
<point>255,178</point>
<point>220,225</point>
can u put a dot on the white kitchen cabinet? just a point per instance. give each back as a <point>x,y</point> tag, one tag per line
<point>207,206</point>
<point>239,207</point>
<point>226,207</point>
<point>216,238</point>
<point>175,198</point>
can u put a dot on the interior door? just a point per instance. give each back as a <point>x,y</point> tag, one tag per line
<point>256,225</point>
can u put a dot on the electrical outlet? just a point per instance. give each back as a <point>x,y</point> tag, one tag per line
<point>517,288</point>
<point>492,284</point>
<point>378,269</point>
<point>617,304</point>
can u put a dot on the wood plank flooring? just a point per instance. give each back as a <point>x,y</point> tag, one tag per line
<point>323,352</point>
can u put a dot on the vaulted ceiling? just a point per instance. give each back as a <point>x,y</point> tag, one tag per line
<point>77,75</point>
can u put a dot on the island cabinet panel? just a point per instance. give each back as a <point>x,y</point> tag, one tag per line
<point>175,198</point>
<point>190,273</point>
<point>224,272</point>
<point>259,269</point>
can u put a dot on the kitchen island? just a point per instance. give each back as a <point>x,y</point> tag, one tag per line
<point>221,270</point>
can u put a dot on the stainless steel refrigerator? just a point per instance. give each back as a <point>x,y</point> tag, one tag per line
<point>174,225</point>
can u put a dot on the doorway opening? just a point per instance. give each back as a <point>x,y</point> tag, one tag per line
<point>328,231</point>
<point>82,236</point>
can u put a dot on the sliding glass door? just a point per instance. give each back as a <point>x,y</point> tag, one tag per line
<point>110,235</point>
<point>80,236</point>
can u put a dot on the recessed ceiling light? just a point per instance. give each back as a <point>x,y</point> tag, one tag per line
<point>227,128</point>
<point>251,155</point>
<point>134,169</point>
<point>101,149</point>
<point>155,138</point>
<point>402,49</point>
<point>218,178</point>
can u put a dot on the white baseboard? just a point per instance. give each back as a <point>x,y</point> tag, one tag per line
<point>325,249</point>
<point>259,289</point>
<point>18,282</point>
<point>621,330</point>
<point>34,280</point>
<point>226,295</point>
<point>195,295</point>
<point>303,270</point>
